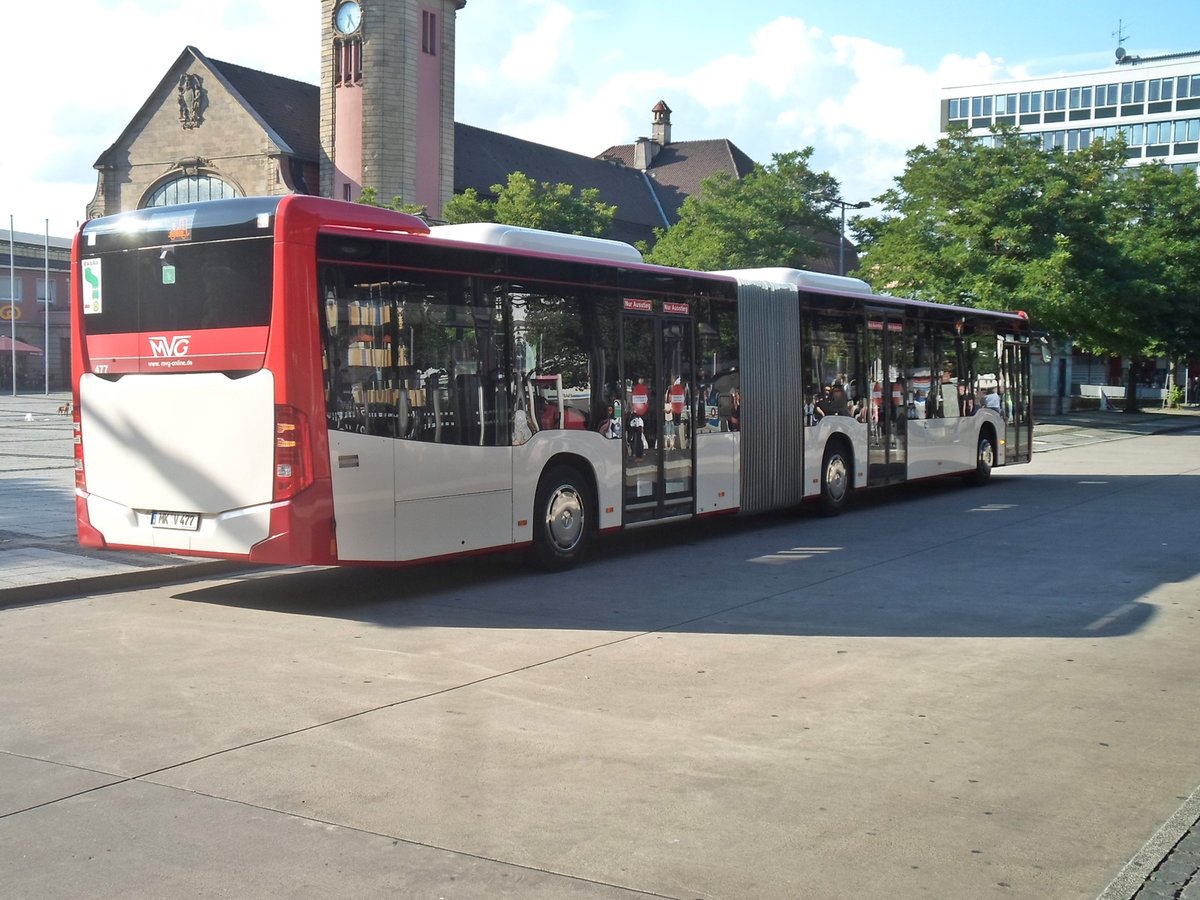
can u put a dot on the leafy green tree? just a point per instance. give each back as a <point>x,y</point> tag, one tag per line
<point>370,197</point>
<point>531,204</point>
<point>767,218</point>
<point>547,320</point>
<point>991,225</point>
<point>1161,238</point>
<point>1004,224</point>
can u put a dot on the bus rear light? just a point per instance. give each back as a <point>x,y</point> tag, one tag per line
<point>80,477</point>
<point>293,452</point>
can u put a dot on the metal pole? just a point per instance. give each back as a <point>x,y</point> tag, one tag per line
<point>843,206</point>
<point>842,240</point>
<point>12,301</point>
<point>46,314</point>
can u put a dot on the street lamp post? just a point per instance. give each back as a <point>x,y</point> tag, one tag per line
<point>843,205</point>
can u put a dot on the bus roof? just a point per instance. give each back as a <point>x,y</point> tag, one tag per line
<point>203,219</point>
<point>180,221</point>
<point>801,278</point>
<point>531,239</point>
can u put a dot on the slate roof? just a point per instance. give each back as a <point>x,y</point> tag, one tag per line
<point>291,108</point>
<point>679,167</point>
<point>484,158</point>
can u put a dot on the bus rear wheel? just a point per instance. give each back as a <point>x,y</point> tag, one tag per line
<point>562,526</point>
<point>835,480</point>
<point>985,458</point>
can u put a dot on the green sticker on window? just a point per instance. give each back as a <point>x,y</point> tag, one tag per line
<point>92,302</point>
<point>168,274</point>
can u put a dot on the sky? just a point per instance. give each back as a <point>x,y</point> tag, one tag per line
<point>859,82</point>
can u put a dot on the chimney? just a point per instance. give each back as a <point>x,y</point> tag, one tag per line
<point>643,153</point>
<point>661,133</point>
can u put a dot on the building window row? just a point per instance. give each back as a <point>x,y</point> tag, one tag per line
<point>1084,97</point>
<point>1153,134</point>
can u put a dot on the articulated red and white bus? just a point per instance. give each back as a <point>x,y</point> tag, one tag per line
<point>307,381</point>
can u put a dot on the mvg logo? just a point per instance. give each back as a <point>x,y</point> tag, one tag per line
<point>176,345</point>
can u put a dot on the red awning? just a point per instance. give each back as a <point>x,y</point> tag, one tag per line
<point>7,344</point>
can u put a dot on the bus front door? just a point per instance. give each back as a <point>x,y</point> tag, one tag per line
<point>658,430</point>
<point>887,444</point>
<point>1017,400</point>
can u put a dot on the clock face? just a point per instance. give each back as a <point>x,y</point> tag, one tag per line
<point>348,17</point>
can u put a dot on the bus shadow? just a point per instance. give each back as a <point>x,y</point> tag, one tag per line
<point>1028,556</point>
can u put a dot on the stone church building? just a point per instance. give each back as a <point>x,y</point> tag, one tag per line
<point>382,118</point>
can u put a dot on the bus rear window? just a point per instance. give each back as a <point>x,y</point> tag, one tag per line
<point>224,284</point>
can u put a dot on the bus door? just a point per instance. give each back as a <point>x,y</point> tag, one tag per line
<point>1017,402</point>
<point>887,444</point>
<point>657,372</point>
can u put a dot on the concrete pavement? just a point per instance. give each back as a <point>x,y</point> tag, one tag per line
<point>803,736</point>
<point>41,559</point>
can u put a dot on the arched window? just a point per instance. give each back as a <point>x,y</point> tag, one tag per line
<point>190,189</point>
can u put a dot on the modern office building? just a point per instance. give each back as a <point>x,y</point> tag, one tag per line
<point>1153,101</point>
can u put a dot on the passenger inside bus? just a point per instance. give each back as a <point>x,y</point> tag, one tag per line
<point>610,425</point>
<point>838,397</point>
<point>823,404</point>
<point>918,405</point>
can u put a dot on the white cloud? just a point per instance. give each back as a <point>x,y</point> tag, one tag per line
<point>535,54</point>
<point>784,86</point>
<point>75,103</point>
<point>963,70</point>
<point>556,72</point>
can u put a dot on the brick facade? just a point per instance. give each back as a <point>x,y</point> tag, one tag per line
<point>225,140</point>
<point>400,94</point>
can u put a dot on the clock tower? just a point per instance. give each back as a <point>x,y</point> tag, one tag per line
<point>387,99</point>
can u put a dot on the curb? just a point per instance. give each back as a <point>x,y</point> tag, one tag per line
<point>1118,429</point>
<point>1157,851</point>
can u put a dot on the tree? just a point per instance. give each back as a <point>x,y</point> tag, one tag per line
<point>530,204</point>
<point>370,197</point>
<point>1162,238</point>
<point>1004,224</point>
<point>991,224</point>
<point>549,321</point>
<point>767,218</point>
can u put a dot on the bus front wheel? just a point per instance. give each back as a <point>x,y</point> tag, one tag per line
<point>985,458</point>
<point>835,480</point>
<point>562,519</point>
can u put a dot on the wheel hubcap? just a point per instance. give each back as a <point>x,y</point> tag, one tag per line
<point>564,518</point>
<point>835,478</point>
<point>986,456</point>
